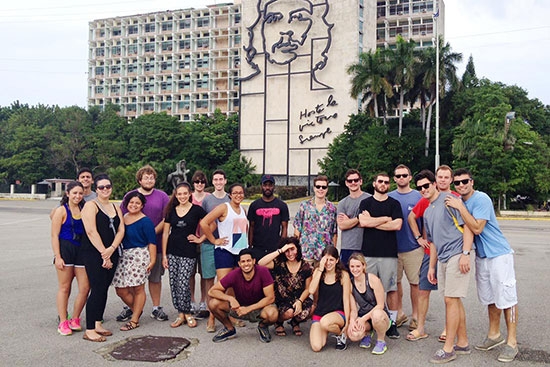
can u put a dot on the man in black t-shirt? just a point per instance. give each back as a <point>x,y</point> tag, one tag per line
<point>268,217</point>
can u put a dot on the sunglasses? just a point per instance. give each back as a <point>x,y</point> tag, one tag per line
<point>404,175</point>
<point>105,187</point>
<point>200,182</point>
<point>353,180</point>
<point>426,186</point>
<point>321,187</point>
<point>464,182</point>
<point>383,182</point>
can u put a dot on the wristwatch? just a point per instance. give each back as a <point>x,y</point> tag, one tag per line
<point>417,237</point>
<point>466,253</point>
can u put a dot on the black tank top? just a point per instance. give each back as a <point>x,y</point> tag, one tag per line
<point>330,298</point>
<point>104,225</point>
<point>365,301</point>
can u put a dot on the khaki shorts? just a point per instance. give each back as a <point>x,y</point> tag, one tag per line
<point>252,316</point>
<point>451,281</point>
<point>410,262</point>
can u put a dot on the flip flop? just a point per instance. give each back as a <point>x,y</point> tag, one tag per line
<point>100,339</point>
<point>442,338</point>
<point>191,322</point>
<point>413,337</point>
<point>177,322</point>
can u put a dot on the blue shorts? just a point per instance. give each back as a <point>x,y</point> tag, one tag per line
<point>225,259</point>
<point>208,265</point>
<point>423,283</point>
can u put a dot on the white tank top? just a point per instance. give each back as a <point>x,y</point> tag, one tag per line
<point>235,228</point>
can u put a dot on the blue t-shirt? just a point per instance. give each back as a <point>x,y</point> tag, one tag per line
<point>139,234</point>
<point>405,238</point>
<point>490,242</point>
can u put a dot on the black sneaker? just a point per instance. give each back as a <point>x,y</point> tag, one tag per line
<point>341,342</point>
<point>125,314</point>
<point>392,332</point>
<point>224,334</point>
<point>159,314</point>
<point>202,312</point>
<point>265,336</point>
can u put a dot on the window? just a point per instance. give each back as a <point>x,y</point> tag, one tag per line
<point>100,70</point>
<point>149,106</point>
<point>131,107</point>
<point>99,89</point>
<point>166,26</point>
<point>237,18</point>
<point>201,104</point>
<point>185,44</point>
<point>149,27</point>
<point>238,39</point>
<point>149,66</point>
<point>117,32</point>
<point>100,52</point>
<point>202,42</point>
<point>185,24</point>
<point>148,87</point>
<point>149,47</point>
<point>115,50</point>
<point>115,69</point>
<point>166,66</point>
<point>203,22</point>
<point>167,46</point>
<point>203,62</point>
<point>166,86</point>
<point>132,49</point>
<point>115,89</point>
<point>166,106</point>
<point>132,88</point>
<point>133,29</point>
<point>132,68</point>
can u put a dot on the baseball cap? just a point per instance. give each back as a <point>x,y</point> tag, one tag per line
<point>266,178</point>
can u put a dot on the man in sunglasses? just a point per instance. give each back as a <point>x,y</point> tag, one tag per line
<point>451,243</point>
<point>495,275</point>
<point>348,212</point>
<point>409,252</point>
<point>315,222</point>
<point>157,200</point>
<point>381,217</point>
<point>268,220</point>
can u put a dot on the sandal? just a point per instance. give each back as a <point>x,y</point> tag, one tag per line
<point>414,336</point>
<point>296,328</point>
<point>99,339</point>
<point>130,325</point>
<point>191,322</point>
<point>442,338</point>
<point>280,329</point>
<point>178,322</point>
<point>104,332</point>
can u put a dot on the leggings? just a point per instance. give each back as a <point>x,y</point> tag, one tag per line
<point>100,280</point>
<point>180,269</point>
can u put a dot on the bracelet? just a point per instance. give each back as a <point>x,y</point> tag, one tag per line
<point>279,251</point>
<point>298,299</point>
<point>319,270</point>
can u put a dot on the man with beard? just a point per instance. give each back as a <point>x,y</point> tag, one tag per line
<point>157,200</point>
<point>381,217</point>
<point>268,217</point>
<point>253,300</point>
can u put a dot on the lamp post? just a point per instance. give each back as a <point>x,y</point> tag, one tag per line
<point>435,18</point>
<point>507,145</point>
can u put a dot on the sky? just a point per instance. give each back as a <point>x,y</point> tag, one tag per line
<point>45,43</point>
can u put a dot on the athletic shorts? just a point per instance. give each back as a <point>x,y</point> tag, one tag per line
<point>317,318</point>
<point>424,284</point>
<point>496,281</point>
<point>384,268</point>
<point>208,264</point>
<point>452,282</point>
<point>410,262</point>
<point>225,259</point>
<point>157,271</point>
<point>70,253</point>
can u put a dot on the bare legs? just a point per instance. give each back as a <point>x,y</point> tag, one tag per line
<point>318,333</point>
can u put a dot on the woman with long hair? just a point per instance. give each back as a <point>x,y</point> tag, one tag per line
<point>104,231</point>
<point>368,310</point>
<point>179,249</point>
<point>331,288</point>
<point>292,277</point>
<point>66,234</point>
<point>138,257</point>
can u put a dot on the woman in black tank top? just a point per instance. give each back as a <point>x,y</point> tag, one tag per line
<point>331,287</point>
<point>368,310</point>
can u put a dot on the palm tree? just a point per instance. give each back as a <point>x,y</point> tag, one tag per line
<point>369,80</point>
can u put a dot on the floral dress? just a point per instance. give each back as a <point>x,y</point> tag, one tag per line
<point>289,287</point>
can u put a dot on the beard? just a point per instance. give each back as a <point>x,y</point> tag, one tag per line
<point>380,191</point>
<point>267,193</point>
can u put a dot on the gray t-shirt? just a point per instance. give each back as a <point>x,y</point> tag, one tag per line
<point>210,202</point>
<point>351,239</point>
<point>441,229</point>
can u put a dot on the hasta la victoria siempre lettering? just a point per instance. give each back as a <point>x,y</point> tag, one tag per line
<point>315,136</point>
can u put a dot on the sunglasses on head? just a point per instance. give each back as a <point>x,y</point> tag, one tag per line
<point>404,175</point>
<point>103,187</point>
<point>383,182</point>
<point>353,180</point>
<point>200,182</point>
<point>464,182</point>
<point>321,187</point>
<point>426,186</point>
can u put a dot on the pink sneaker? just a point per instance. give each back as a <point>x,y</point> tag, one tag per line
<point>64,328</point>
<point>74,324</point>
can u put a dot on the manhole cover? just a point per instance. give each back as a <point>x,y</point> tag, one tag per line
<point>149,348</point>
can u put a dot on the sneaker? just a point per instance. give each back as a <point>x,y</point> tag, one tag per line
<point>265,336</point>
<point>341,342</point>
<point>463,350</point>
<point>379,348</point>
<point>194,308</point>
<point>224,334</point>
<point>489,343</point>
<point>366,342</point>
<point>74,324</point>
<point>508,354</point>
<point>443,357</point>
<point>392,332</point>
<point>203,312</point>
<point>125,314</point>
<point>159,314</point>
<point>64,328</point>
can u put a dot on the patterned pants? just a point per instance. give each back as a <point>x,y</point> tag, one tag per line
<point>180,269</point>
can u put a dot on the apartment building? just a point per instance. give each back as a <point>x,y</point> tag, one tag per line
<point>183,62</point>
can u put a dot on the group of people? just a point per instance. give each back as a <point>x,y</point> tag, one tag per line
<point>264,276</point>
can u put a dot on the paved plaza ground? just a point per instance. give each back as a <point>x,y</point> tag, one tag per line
<point>28,313</point>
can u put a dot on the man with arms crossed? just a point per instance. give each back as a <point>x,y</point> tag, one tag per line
<point>451,244</point>
<point>495,276</point>
<point>268,220</point>
<point>409,252</point>
<point>381,217</point>
<point>348,216</point>
<point>253,300</point>
<point>157,200</point>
